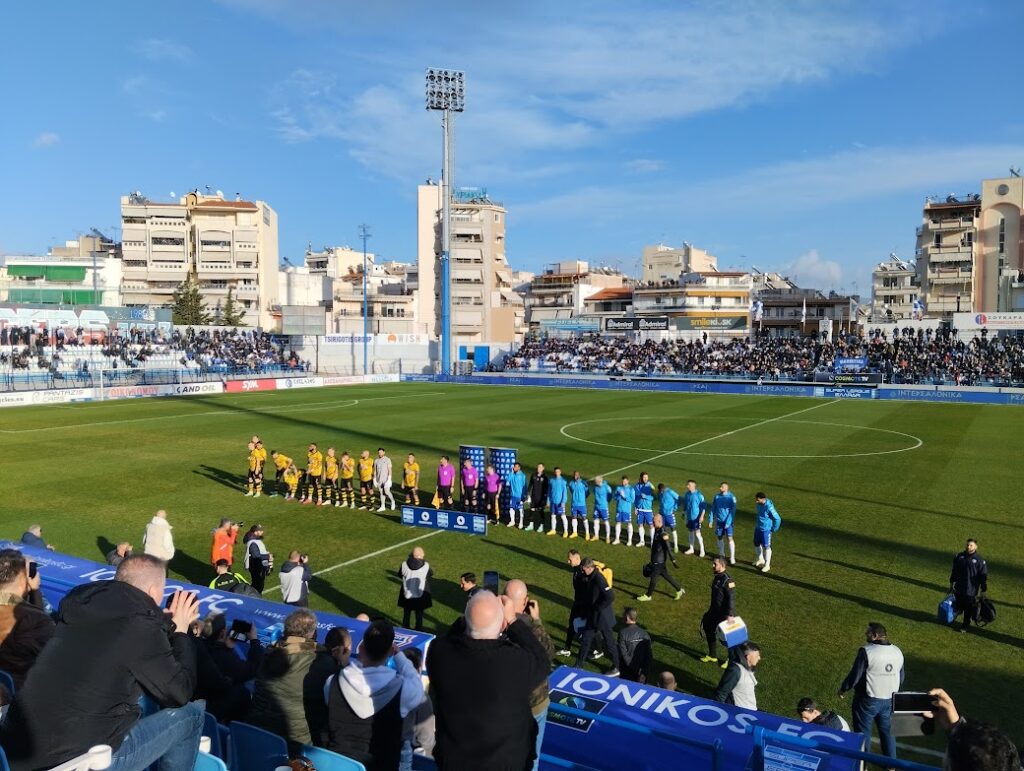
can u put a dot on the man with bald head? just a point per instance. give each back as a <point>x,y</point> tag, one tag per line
<point>113,643</point>
<point>483,681</point>
<point>528,611</point>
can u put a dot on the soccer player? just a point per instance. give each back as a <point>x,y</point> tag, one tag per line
<point>314,471</point>
<point>558,496</point>
<point>625,495</point>
<point>723,512</point>
<point>644,506</point>
<point>602,492</point>
<point>261,451</point>
<point>445,481</point>
<point>694,507</point>
<point>768,522</point>
<point>492,492</point>
<point>382,478</point>
<point>348,472</point>
<point>470,486</point>
<point>254,480</point>
<point>411,480</point>
<point>365,479</point>
<point>538,492</point>
<point>291,478</point>
<point>668,502</point>
<point>578,489</point>
<point>330,486</point>
<point>516,491</point>
<point>281,463</point>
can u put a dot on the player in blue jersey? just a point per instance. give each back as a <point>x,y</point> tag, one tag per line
<point>579,491</point>
<point>668,502</point>
<point>723,512</point>
<point>644,506</point>
<point>625,495</point>
<point>602,494</point>
<point>516,490</point>
<point>694,508</point>
<point>558,498</point>
<point>768,522</point>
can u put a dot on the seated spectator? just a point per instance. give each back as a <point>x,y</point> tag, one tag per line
<point>634,648</point>
<point>808,711</point>
<point>278,699</point>
<point>332,658</point>
<point>113,644</point>
<point>232,700</point>
<point>972,746</point>
<point>418,729</point>
<point>34,537</point>
<point>367,701</point>
<point>667,681</point>
<point>117,555</point>
<point>24,626</point>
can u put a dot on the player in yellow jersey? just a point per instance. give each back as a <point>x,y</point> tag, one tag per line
<point>365,479</point>
<point>261,451</point>
<point>281,464</point>
<point>330,479</point>
<point>291,477</point>
<point>254,481</point>
<point>314,471</point>
<point>411,480</point>
<point>348,471</point>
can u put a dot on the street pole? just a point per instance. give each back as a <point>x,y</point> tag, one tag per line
<point>364,233</point>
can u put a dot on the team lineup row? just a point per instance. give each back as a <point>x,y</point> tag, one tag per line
<point>329,479</point>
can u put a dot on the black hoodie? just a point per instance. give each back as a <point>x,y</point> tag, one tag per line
<point>112,643</point>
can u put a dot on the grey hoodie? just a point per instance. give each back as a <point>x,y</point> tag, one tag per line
<point>368,689</point>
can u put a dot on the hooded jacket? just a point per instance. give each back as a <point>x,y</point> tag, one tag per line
<point>158,540</point>
<point>278,701</point>
<point>111,645</point>
<point>295,579</point>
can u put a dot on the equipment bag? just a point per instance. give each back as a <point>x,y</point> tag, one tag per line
<point>947,610</point>
<point>984,612</point>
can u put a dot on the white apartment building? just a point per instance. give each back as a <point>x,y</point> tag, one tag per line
<point>336,261</point>
<point>84,271</point>
<point>661,263</point>
<point>894,289</point>
<point>716,302</point>
<point>946,255</point>
<point>558,294</point>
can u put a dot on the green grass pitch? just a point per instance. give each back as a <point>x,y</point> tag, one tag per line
<point>876,498</point>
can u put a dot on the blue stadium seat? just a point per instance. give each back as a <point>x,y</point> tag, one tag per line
<point>219,736</point>
<point>253,749</point>
<point>423,763</point>
<point>6,679</point>
<point>3,761</point>
<point>207,762</point>
<point>325,760</point>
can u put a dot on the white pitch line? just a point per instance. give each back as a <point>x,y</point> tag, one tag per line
<point>369,556</point>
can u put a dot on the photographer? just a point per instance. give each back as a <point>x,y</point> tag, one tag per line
<point>232,702</point>
<point>295,577</point>
<point>224,537</point>
<point>24,626</point>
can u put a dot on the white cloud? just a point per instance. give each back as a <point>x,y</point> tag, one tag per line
<point>162,50</point>
<point>156,115</point>
<point>811,270</point>
<point>134,85</point>
<point>46,139</point>
<point>644,166</point>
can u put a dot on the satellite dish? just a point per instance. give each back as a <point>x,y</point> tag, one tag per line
<point>173,194</point>
<point>220,193</point>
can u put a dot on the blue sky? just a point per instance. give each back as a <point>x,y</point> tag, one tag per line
<point>794,136</point>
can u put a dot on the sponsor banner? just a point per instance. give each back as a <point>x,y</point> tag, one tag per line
<point>419,378</point>
<point>439,519</point>
<point>346,339</point>
<point>240,386</point>
<point>998,321</point>
<point>192,389</point>
<point>400,339</point>
<point>61,396</point>
<point>61,572</point>
<point>636,324</point>
<point>336,380</point>
<point>389,378</point>
<point>845,393</point>
<point>672,717</point>
<point>861,378</point>
<point>284,383</point>
<point>850,362</point>
<point>710,323</point>
<point>572,325</point>
<point>934,395</point>
<point>134,392</point>
<point>182,389</point>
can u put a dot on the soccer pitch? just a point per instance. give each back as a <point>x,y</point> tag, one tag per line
<point>876,498</point>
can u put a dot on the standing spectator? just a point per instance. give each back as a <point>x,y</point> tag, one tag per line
<point>597,607</point>
<point>483,682</point>
<point>118,628</point>
<point>738,684</point>
<point>367,701</point>
<point>382,478</point>
<point>232,699</point>
<point>968,580</point>
<point>34,537</point>
<point>157,541</point>
<point>659,554</point>
<point>278,701</point>
<point>528,611</point>
<point>876,675</point>
<point>467,583</point>
<point>537,497</point>
<point>571,631</point>
<point>331,659</point>
<point>722,608</point>
<point>24,626</point>
<point>972,746</point>
<point>223,547</point>
<point>635,651</point>
<point>414,592</point>
<point>808,711</point>
<point>667,681</point>
<point>258,560</point>
<point>118,554</point>
<point>295,578</point>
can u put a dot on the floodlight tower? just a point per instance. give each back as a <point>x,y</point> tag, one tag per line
<point>446,93</point>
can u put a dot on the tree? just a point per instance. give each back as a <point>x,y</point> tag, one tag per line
<point>189,308</point>
<point>232,315</point>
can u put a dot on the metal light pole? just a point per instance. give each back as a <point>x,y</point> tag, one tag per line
<point>364,233</point>
<point>446,93</point>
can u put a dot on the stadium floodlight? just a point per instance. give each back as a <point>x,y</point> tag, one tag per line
<point>446,93</point>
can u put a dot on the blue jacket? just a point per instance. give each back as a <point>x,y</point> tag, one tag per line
<point>624,497</point>
<point>723,509</point>
<point>668,500</point>
<point>558,490</point>
<point>767,517</point>
<point>644,496</point>
<point>694,505</point>
<point>579,491</point>
<point>516,484</point>
<point>602,492</point>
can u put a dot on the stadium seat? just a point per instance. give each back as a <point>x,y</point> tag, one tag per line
<point>219,736</point>
<point>95,759</point>
<point>423,763</point>
<point>207,762</point>
<point>6,679</point>
<point>253,749</point>
<point>3,761</point>
<point>325,760</point>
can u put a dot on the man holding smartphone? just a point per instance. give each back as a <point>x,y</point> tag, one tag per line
<point>24,626</point>
<point>877,674</point>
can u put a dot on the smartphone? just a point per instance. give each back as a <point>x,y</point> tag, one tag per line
<point>240,629</point>
<point>33,570</point>
<point>911,701</point>
<point>491,581</point>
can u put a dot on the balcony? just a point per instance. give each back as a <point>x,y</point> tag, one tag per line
<point>950,276</point>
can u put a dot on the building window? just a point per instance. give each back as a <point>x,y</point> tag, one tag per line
<point>1002,237</point>
<point>938,240</point>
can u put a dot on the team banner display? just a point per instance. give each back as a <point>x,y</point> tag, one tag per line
<point>440,519</point>
<point>838,378</point>
<point>674,717</point>
<point>61,573</point>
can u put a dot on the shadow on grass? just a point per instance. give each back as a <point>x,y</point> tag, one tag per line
<point>193,570</point>
<point>220,476</point>
<point>343,603</point>
<point>105,546</point>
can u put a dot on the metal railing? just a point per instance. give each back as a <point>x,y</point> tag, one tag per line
<point>15,380</point>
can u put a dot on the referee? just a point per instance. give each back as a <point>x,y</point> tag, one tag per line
<point>723,608</point>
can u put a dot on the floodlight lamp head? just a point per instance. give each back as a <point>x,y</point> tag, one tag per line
<point>445,90</point>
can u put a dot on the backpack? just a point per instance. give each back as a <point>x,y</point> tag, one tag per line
<point>605,571</point>
<point>984,612</point>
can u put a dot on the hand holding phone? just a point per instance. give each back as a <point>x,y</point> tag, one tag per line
<point>913,702</point>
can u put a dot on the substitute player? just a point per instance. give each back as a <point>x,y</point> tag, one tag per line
<point>314,471</point>
<point>365,479</point>
<point>644,505</point>
<point>516,492</point>
<point>668,502</point>
<point>331,491</point>
<point>579,491</point>
<point>347,473</point>
<point>281,464</point>
<point>625,495</point>
<point>768,522</point>
<point>695,508</point>
<point>254,480</point>
<point>602,494</point>
<point>492,492</point>
<point>723,512</point>
<point>558,498</point>
<point>411,480</point>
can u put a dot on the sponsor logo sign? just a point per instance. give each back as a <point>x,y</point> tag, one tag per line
<point>440,519</point>
<point>299,382</point>
<point>242,386</point>
<point>636,324</point>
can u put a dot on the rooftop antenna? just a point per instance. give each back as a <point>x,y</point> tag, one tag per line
<point>207,189</point>
<point>1015,172</point>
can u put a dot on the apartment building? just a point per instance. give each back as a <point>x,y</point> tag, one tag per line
<point>946,255</point>
<point>894,289</point>
<point>84,271</point>
<point>715,302</point>
<point>558,294</point>
<point>999,254</point>
<point>661,262</point>
<point>336,261</point>
<point>806,312</point>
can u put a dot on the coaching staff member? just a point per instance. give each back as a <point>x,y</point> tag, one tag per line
<point>876,675</point>
<point>968,579</point>
<point>597,607</point>
<point>722,608</point>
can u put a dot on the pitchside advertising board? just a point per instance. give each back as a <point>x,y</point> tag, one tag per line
<point>440,519</point>
<point>60,573</point>
<point>636,324</point>
<point>580,740</point>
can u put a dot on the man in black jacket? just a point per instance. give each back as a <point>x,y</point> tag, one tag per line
<point>659,555</point>
<point>233,700</point>
<point>574,559</point>
<point>722,608</point>
<point>968,579</point>
<point>483,682</point>
<point>113,644</point>
<point>597,608</point>
<point>634,648</point>
<point>24,626</point>
<point>537,492</point>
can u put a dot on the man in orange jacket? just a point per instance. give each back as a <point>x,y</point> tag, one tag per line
<point>224,542</point>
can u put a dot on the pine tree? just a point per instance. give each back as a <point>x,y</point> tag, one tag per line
<point>189,308</point>
<point>232,315</point>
